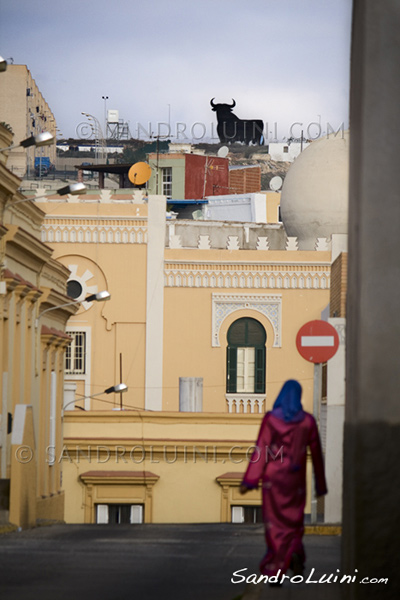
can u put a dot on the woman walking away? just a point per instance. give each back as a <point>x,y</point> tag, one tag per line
<point>280,462</point>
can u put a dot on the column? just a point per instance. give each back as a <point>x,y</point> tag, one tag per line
<point>155,303</point>
<point>371,474</point>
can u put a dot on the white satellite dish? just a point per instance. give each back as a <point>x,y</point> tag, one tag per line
<point>223,152</point>
<point>276,183</point>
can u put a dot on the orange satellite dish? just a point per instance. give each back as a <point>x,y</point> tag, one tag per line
<point>139,173</point>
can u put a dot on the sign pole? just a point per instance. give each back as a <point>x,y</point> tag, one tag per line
<point>316,408</point>
<point>317,341</point>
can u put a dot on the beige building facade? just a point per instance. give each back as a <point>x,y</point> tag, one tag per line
<point>201,326</point>
<point>32,348</point>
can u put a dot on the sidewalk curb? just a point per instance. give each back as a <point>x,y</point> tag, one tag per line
<point>7,528</point>
<point>251,592</point>
<point>323,529</point>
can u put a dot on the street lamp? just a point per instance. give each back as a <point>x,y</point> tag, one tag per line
<point>73,189</point>
<point>4,63</point>
<point>118,388</point>
<point>41,139</point>
<point>98,133</point>
<point>105,98</point>
<point>98,297</point>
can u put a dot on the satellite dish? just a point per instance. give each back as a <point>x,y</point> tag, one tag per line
<point>276,183</point>
<point>139,173</point>
<point>223,152</point>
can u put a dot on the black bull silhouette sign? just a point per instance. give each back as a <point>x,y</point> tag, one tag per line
<point>232,129</point>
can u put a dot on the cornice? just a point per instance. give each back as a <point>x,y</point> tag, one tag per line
<point>164,418</point>
<point>25,242</point>
<point>119,477</point>
<point>54,299</point>
<point>9,183</point>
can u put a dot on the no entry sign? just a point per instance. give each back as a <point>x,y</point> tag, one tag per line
<point>317,341</point>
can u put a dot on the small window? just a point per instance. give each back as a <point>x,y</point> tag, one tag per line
<point>75,356</point>
<point>246,514</point>
<point>167,181</point>
<point>119,514</point>
<point>286,149</point>
<point>74,289</point>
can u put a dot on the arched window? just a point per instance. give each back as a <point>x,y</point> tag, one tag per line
<point>245,356</point>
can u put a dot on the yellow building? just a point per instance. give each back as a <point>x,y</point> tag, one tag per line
<point>32,348</point>
<point>201,327</point>
<point>25,110</point>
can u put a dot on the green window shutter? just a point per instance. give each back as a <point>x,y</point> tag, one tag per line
<point>231,369</point>
<point>260,371</point>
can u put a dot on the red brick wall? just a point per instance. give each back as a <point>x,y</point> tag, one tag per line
<point>338,292</point>
<point>245,181</point>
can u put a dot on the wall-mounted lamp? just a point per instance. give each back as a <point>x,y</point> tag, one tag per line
<point>73,189</point>
<point>41,139</point>
<point>118,388</point>
<point>98,297</point>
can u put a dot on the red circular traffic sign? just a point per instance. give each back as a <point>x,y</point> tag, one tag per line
<point>317,341</point>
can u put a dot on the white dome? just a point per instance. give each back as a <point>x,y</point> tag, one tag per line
<point>315,193</point>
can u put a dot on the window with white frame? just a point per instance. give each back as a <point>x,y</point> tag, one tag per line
<point>75,356</point>
<point>246,514</point>
<point>167,181</point>
<point>116,514</point>
<point>245,370</point>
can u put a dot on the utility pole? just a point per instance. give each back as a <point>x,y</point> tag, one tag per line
<point>105,98</point>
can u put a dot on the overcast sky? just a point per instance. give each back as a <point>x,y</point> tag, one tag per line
<point>283,61</point>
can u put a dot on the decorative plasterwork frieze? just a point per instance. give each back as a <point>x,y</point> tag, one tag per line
<point>95,231</point>
<point>247,276</point>
<point>268,305</point>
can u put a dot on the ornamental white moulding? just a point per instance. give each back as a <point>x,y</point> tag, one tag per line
<point>321,245</point>
<point>270,306</point>
<point>291,243</point>
<point>246,403</point>
<point>262,243</point>
<point>204,242</point>
<point>233,242</point>
<point>75,230</point>
<point>175,242</point>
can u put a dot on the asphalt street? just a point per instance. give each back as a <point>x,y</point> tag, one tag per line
<point>151,562</point>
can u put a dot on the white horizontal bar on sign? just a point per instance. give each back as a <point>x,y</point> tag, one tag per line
<point>317,340</point>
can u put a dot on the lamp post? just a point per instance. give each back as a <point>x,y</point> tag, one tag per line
<point>105,98</point>
<point>100,142</point>
<point>118,388</point>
